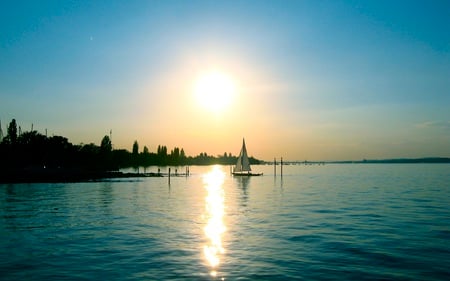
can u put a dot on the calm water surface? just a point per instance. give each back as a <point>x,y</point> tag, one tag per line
<point>331,222</point>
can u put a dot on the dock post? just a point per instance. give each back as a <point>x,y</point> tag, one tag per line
<point>274,167</point>
<point>169,175</point>
<point>281,166</point>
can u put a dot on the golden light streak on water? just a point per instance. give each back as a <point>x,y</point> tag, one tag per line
<point>215,227</point>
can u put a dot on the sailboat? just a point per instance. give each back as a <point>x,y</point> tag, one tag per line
<point>242,167</point>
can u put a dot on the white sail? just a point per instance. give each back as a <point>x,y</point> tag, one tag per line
<point>242,164</point>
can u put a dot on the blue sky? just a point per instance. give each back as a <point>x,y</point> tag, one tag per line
<point>318,80</point>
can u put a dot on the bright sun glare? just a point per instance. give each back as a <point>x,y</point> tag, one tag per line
<point>215,91</point>
<point>215,210</point>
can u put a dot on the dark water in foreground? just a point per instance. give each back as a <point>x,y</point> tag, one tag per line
<point>332,222</point>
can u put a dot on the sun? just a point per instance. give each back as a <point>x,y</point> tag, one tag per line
<point>214,91</point>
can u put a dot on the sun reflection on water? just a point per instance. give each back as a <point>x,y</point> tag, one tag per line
<point>215,227</point>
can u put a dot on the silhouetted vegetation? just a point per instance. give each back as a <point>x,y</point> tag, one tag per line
<point>33,151</point>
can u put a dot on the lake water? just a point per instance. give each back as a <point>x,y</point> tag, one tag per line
<point>328,222</point>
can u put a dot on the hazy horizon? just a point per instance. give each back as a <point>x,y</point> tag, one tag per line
<point>334,80</point>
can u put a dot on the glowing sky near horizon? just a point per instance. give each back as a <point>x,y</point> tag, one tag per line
<point>316,80</point>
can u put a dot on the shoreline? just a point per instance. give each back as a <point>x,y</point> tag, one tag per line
<point>65,176</point>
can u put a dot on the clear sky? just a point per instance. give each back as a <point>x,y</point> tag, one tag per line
<point>315,80</point>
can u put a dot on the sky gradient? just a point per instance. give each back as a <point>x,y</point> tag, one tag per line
<point>315,80</point>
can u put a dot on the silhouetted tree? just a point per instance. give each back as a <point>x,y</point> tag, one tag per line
<point>32,148</point>
<point>135,148</point>
<point>162,150</point>
<point>11,136</point>
<point>122,158</point>
<point>161,155</point>
<point>135,154</point>
<point>175,156</point>
<point>105,155</point>
<point>88,155</point>
<point>60,152</point>
<point>106,145</point>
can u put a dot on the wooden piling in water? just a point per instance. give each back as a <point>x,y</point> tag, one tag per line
<point>281,166</point>
<point>274,167</point>
<point>169,175</point>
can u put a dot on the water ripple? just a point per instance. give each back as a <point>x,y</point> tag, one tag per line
<point>332,222</point>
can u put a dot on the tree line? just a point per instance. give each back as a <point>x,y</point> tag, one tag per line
<point>34,150</point>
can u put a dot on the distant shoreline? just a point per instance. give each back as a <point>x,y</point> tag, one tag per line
<point>404,161</point>
<point>426,160</point>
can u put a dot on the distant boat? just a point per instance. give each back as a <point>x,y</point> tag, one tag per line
<point>242,167</point>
